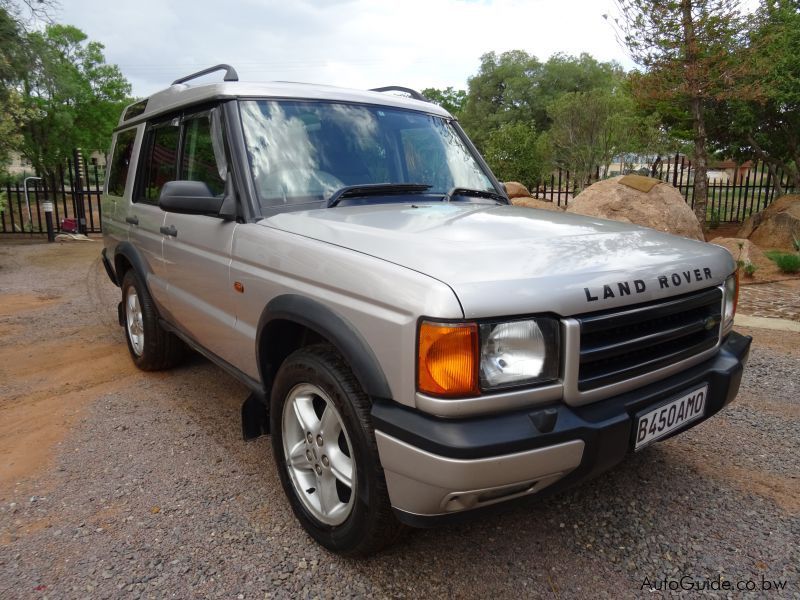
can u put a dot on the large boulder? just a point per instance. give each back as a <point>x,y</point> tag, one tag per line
<point>535,203</point>
<point>639,200</point>
<point>744,251</point>
<point>514,189</point>
<point>777,226</point>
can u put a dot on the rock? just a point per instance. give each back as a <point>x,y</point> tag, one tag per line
<point>534,203</point>
<point>777,226</point>
<point>747,252</point>
<point>662,208</point>
<point>515,189</point>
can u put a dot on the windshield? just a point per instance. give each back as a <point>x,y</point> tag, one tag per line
<point>302,152</point>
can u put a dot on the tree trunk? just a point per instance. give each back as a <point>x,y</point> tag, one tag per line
<point>773,166</point>
<point>700,197</point>
<point>700,162</point>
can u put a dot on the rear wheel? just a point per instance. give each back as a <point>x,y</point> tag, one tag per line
<point>151,347</point>
<point>324,446</point>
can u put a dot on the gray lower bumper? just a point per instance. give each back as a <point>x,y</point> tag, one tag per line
<point>426,484</point>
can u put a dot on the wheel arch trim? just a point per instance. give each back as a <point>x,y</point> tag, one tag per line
<point>331,326</point>
<point>130,253</point>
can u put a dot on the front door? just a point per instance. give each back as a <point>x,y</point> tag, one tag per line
<point>197,248</point>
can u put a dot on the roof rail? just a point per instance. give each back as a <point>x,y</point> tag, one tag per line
<point>230,74</point>
<point>396,88</point>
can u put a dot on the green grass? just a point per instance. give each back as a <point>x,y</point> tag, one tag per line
<point>788,262</point>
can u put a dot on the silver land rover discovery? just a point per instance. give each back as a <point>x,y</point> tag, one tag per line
<point>415,346</point>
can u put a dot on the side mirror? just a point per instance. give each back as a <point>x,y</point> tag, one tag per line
<point>189,198</point>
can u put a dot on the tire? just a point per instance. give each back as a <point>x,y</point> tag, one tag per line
<point>151,348</point>
<point>316,393</point>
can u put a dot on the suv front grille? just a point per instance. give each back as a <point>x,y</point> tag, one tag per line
<point>619,345</point>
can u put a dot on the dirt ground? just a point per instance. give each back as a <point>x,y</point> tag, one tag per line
<point>118,483</point>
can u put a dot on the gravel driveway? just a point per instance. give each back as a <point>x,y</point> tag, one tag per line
<point>121,484</point>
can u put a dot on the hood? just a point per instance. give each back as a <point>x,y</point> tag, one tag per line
<point>508,260</point>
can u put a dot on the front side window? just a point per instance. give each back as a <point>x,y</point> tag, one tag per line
<point>121,162</point>
<point>160,160</point>
<point>302,152</point>
<point>198,161</point>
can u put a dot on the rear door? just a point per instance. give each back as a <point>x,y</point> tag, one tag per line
<point>198,249</point>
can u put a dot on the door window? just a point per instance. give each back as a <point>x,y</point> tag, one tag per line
<point>199,161</point>
<point>161,160</point>
<point>121,162</point>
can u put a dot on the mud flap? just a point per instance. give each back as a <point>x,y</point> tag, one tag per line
<point>255,419</point>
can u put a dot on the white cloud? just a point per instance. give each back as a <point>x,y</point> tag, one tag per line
<point>352,43</point>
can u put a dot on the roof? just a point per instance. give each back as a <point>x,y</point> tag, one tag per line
<point>181,94</point>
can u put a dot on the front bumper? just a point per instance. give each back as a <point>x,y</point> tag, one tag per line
<point>436,468</point>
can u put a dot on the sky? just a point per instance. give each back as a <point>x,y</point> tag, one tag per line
<point>349,43</point>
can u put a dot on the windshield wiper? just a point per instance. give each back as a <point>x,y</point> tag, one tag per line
<point>375,189</point>
<point>460,191</point>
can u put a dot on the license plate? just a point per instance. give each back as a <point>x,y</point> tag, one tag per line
<point>659,422</point>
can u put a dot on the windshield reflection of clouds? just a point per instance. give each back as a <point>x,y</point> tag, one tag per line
<point>302,152</point>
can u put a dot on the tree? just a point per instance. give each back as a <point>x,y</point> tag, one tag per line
<point>515,153</point>
<point>15,56</point>
<point>766,125</point>
<point>503,92</point>
<point>449,99</point>
<point>507,104</point>
<point>11,67</point>
<point>589,129</point>
<point>688,49</point>
<point>75,96</point>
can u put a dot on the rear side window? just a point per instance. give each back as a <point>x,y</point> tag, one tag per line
<point>160,160</point>
<point>199,162</point>
<point>121,162</point>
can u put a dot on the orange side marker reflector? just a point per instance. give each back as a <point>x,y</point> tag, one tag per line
<point>238,286</point>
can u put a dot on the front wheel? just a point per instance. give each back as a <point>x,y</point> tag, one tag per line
<point>324,447</point>
<point>151,347</point>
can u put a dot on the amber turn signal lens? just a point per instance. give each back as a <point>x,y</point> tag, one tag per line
<point>736,294</point>
<point>448,359</point>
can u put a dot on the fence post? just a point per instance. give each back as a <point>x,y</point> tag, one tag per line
<point>80,209</point>
<point>674,171</point>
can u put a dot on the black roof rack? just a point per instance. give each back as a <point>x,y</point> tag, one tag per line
<point>396,88</point>
<point>230,74</point>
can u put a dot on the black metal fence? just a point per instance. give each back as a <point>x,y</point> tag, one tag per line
<point>745,189</point>
<point>73,194</point>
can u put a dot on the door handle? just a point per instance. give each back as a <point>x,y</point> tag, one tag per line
<point>134,220</point>
<point>169,230</point>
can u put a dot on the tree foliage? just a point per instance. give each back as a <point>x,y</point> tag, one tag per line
<point>76,96</point>
<point>688,49</point>
<point>766,125</point>
<point>58,93</point>
<point>450,99</point>
<point>516,153</point>
<point>508,107</point>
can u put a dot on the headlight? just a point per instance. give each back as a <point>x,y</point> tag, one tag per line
<point>461,359</point>
<point>519,352</point>
<point>731,300</point>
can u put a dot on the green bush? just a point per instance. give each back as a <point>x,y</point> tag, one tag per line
<point>788,263</point>
<point>749,269</point>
